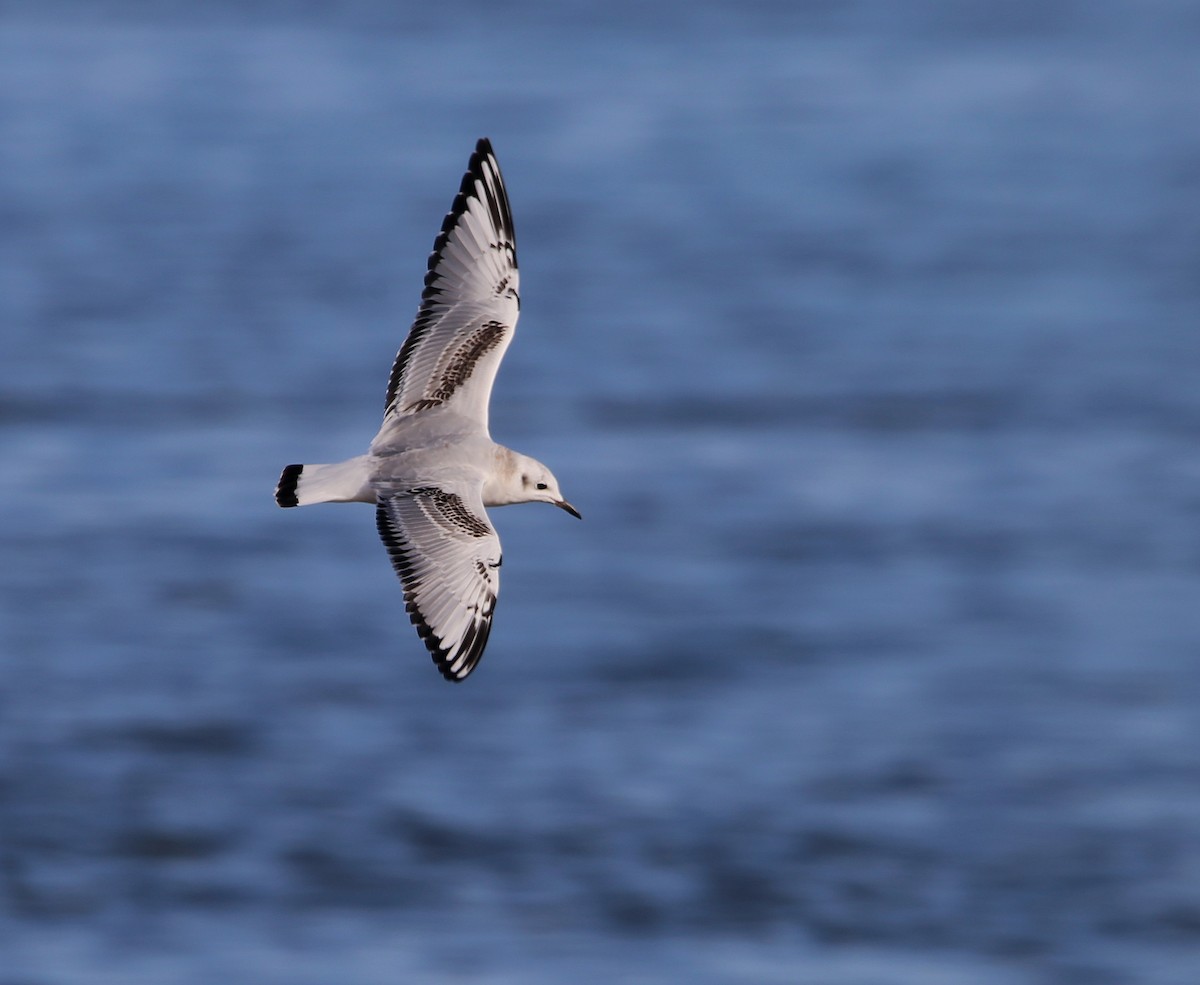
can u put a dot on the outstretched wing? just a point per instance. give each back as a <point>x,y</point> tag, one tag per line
<point>469,306</point>
<point>447,555</point>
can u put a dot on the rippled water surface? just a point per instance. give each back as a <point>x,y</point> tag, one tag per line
<point>863,335</point>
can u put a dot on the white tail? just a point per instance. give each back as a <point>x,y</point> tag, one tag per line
<point>342,482</point>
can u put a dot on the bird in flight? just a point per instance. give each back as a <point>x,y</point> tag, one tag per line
<point>433,467</point>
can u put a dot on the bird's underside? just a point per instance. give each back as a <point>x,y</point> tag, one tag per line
<point>432,521</point>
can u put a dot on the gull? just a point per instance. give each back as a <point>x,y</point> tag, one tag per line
<point>433,467</point>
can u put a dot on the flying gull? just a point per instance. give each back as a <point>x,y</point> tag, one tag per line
<point>433,466</point>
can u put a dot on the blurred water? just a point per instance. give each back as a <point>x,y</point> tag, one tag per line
<point>863,335</point>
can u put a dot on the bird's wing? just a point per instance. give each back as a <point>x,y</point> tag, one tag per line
<point>447,555</point>
<point>469,306</point>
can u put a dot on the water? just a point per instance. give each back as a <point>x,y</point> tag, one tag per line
<point>863,335</point>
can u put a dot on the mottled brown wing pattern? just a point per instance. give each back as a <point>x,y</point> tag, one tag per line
<point>458,363</point>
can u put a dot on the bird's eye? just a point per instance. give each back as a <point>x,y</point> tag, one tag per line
<point>542,485</point>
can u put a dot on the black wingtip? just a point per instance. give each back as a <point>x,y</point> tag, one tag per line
<point>447,674</point>
<point>285,492</point>
<point>472,645</point>
<point>501,211</point>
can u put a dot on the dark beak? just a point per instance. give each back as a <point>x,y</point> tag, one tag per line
<point>562,504</point>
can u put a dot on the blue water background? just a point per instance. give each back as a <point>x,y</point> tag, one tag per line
<point>864,335</point>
